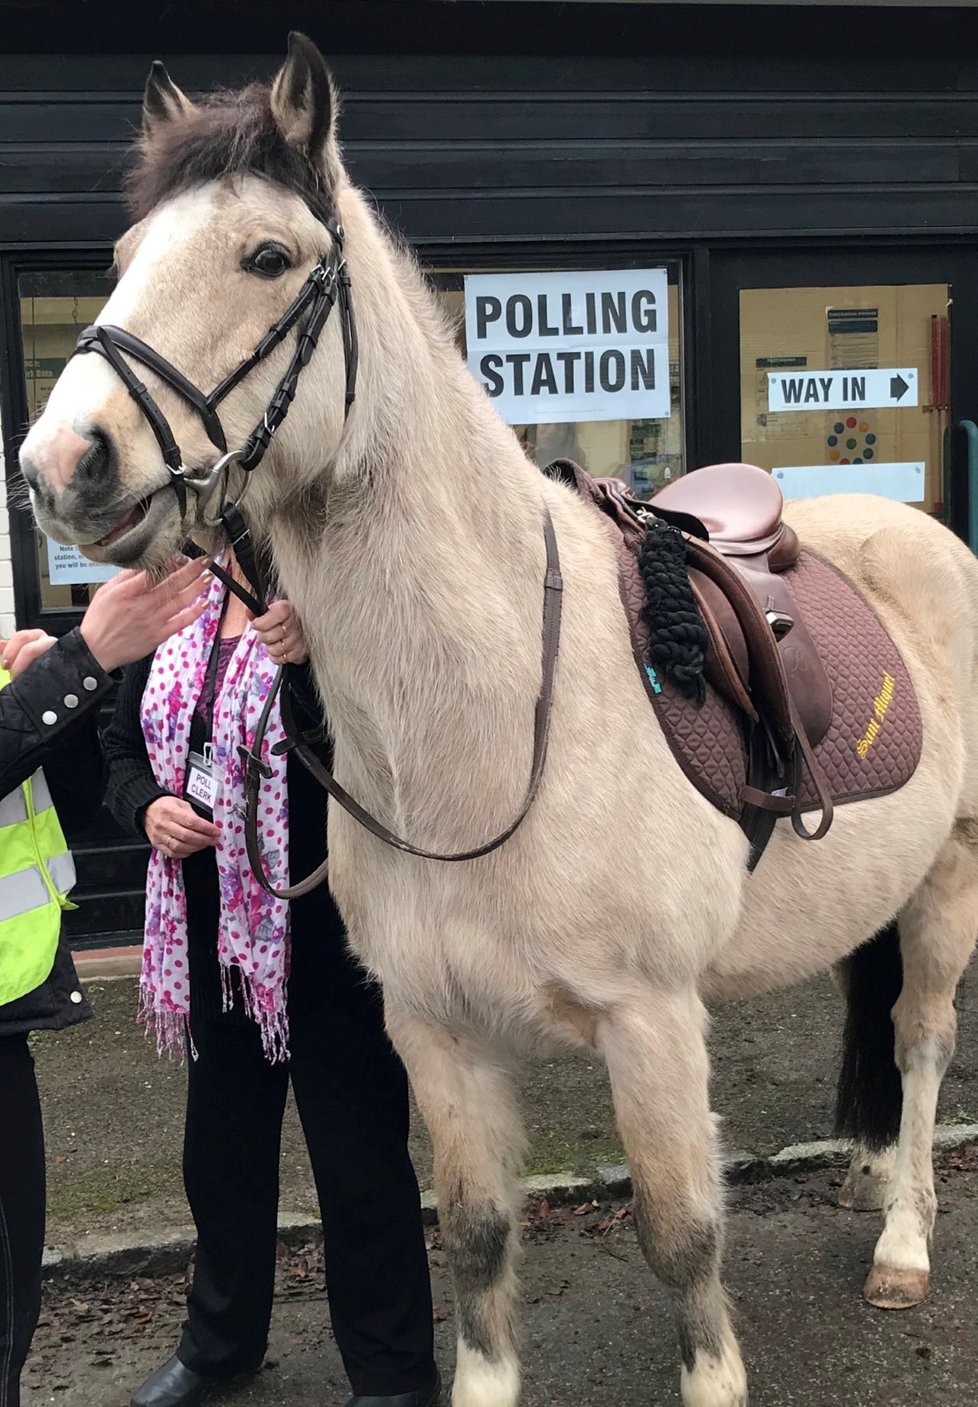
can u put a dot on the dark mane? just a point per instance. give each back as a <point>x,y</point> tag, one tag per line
<point>226,134</point>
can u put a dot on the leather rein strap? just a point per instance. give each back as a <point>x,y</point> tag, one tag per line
<point>304,747</point>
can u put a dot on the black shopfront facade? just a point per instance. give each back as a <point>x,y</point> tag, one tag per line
<point>805,176</point>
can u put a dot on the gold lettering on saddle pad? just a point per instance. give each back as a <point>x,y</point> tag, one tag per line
<point>881,703</point>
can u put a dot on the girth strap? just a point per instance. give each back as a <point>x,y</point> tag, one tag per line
<point>304,749</point>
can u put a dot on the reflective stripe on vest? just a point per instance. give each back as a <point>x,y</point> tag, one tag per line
<point>13,807</point>
<point>26,890</point>
<point>36,873</point>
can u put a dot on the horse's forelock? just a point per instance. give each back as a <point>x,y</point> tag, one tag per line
<point>226,134</point>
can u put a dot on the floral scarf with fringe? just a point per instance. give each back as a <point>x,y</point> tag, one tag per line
<point>253,930</point>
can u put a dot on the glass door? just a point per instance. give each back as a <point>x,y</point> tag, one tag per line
<point>847,372</point>
<point>45,301</point>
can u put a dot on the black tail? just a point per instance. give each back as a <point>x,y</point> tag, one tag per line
<point>869,1100</point>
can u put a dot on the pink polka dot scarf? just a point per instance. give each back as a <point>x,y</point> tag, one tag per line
<point>253,931</point>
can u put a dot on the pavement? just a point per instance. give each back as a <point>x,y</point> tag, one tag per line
<point>114,1112</point>
<point>595,1326</point>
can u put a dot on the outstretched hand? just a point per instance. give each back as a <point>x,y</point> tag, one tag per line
<point>132,614</point>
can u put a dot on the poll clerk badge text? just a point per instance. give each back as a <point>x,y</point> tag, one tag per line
<point>556,348</point>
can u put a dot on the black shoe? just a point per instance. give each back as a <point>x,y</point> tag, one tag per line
<point>176,1385</point>
<point>427,1397</point>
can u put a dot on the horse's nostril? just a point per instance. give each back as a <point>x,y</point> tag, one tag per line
<point>96,462</point>
<point>29,470</point>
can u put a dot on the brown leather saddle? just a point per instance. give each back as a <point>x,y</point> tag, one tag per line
<point>761,657</point>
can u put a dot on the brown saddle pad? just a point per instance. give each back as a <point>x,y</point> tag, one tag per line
<point>868,736</point>
<point>874,739</point>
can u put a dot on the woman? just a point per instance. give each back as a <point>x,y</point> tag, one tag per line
<point>50,694</point>
<point>264,992</point>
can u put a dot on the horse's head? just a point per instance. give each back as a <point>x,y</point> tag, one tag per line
<point>235,201</point>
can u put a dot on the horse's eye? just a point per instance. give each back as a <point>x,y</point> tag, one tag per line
<point>268,261</point>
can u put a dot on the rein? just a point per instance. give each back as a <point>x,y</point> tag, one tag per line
<point>327,284</point>
<point>304,747</point>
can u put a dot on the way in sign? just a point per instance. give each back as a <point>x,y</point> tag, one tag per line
<point>842,390</point>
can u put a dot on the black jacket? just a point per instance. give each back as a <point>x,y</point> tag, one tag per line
<point>48,718</point>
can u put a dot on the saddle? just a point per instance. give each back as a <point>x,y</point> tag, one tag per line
<point>761,657</point>
<point>740,507</point>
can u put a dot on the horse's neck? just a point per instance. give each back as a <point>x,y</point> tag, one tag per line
<point>422,593</point>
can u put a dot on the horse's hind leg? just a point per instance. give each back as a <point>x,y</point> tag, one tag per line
<point>937,929</point>
<point>870,1097</point>
<point>864,1188</point>
<point>477,1137</point>
<point>657,1061</point>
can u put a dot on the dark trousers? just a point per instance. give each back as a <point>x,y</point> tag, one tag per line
<point>21,1211</point>
<point>351,1093</point>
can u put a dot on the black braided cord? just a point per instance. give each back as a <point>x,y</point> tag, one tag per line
<point>677,635</point>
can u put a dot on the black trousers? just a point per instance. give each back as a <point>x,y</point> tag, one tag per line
<point>351,1093</point>
<point>21,1211</point>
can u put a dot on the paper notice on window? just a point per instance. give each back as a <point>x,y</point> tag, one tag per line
<point>67,566</point>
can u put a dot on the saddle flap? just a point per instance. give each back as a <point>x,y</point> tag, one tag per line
<point>768,686</point>
<point>727,659</point>
<point>805,675</point>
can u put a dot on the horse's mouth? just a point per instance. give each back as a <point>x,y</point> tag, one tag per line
<point>132,534</point>
<point>129,519</point>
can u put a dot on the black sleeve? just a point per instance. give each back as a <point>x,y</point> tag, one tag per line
<point>132,785</point>
<point>76,775</point>
<point>50,709</point>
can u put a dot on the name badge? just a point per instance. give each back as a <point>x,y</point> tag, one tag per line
<point>202,785</point>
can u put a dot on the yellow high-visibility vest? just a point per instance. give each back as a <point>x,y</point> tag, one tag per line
<point>36,875</point>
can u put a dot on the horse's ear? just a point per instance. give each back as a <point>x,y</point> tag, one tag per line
<point>303,98</point>
<point>162,100</point>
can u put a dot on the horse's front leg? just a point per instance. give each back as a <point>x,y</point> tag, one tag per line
<point>477,1136</point>
<point>654,1044</point>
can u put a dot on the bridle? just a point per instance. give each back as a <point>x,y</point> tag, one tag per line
<point>327,284</point>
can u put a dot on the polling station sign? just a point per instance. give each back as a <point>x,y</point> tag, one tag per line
<point>554,348</point>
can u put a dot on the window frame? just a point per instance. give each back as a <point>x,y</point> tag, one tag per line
<point>545,256</point>
<point>30,611</point>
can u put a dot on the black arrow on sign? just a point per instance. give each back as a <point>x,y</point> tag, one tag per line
<point>898,387</point>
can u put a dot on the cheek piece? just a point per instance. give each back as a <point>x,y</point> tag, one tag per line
<point>328,283</point>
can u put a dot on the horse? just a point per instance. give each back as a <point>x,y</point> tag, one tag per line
<point>406,525</point>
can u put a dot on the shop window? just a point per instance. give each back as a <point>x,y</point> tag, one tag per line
<point>646,451</point>
<point>55,306</point>
<point>846,389</point>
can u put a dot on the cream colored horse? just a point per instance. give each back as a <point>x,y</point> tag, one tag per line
<point>409,539</point>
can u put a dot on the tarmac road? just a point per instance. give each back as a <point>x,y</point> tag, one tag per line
<point>596,1327</point>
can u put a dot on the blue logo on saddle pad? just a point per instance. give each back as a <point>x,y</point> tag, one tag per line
<point>653,679</point>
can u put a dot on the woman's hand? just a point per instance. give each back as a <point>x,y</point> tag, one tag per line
<point>132,614</point>
<point>173,826</point>
<point>281,634</point>
<point>23,648</point>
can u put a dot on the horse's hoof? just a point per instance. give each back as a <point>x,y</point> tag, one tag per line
<point>862,1192</point>
<point>894,1287</point>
